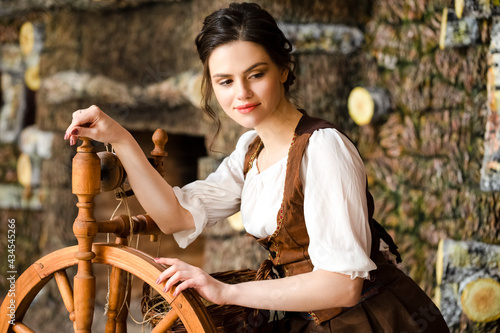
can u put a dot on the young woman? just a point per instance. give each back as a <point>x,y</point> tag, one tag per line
<point>299,183</point>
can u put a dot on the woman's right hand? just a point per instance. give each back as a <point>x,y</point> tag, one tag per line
<point>94,124</point>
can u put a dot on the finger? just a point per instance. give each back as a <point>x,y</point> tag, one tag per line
<point>166,274</point>
<point>77,113</point>
<point>174,266</point>
<point>91,110</point>
<point>70,131</point>
<point>177,277</point>
<point>83,130</point>
<point>168,261</point>
<point>82,117</point>
<point>183,286</point>
<point>70,128</point>
<point>78,132</point>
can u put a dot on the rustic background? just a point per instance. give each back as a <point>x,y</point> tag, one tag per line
<point>136,59</point>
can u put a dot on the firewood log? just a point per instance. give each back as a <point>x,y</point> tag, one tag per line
<point>367,104</point>
<point>481,300</point>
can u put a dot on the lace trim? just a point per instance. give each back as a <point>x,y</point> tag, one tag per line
<point>280,214</point>
<point>254,155</point>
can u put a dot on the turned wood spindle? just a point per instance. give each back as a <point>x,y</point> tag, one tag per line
<point>86,185</point>
<point>160,139</point>
<point>119,293</point>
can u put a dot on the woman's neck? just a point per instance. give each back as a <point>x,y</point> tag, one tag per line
<point>277,134</point>
<point>278,129</point>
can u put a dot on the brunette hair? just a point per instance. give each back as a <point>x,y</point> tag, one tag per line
<point>242,22</point>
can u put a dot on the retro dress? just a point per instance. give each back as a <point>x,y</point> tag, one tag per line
<point>312,210</point>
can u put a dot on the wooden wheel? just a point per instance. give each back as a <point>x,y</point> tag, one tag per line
<point>187,306</point>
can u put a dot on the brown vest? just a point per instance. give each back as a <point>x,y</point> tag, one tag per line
<point>288,245</point>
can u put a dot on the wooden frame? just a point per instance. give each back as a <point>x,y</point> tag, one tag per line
<point>79,297</point>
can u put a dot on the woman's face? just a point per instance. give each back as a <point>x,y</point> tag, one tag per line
<point>246,82</point>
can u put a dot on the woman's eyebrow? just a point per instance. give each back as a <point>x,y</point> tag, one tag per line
<point>245,71</point>
<point>254,65</point>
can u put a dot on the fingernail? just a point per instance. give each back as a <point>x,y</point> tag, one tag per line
<point>165,290</point>
<point>158,281</point>
<point>66,136</point>
<point>74,131</point>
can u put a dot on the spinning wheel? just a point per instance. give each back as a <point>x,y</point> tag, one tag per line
<point>79,298</point>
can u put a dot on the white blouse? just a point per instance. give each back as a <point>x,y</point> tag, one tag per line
<point>335,207</point>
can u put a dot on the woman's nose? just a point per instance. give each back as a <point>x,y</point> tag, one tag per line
<point>243,91</point>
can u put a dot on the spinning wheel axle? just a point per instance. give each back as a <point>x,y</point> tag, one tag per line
<point>120,226</point>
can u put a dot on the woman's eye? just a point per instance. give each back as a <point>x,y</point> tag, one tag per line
<point>225,82</point>
<point>257,75</point>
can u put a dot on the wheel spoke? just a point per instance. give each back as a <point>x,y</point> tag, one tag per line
<point>167,322</point>
<point>66,291</point>
<point>117,292</point>
<point>121,318</point>
<point>21,328</point>
<point>119,289</point>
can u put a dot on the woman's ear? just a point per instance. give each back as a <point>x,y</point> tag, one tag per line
<point>284,74</point>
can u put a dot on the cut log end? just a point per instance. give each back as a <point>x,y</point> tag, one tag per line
<point>236,222</point>
<point>481,300</point>
<point>368,104</point>
<point>24,170</point>
<point>439,262</point>
<point>27,37</point>
<point>361,106</point>
<point>459,7</point>
<point>444,22</point>
<point>32,77</point>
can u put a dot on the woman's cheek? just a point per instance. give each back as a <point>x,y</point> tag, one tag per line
<point>224,99</point>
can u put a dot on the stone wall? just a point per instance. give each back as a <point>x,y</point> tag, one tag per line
<point>136,59</point>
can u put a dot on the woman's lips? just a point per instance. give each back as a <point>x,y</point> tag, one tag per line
<point>246,108</point>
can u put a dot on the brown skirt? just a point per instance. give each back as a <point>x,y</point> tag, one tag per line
<point>393,303</point>
<point>399,306</point>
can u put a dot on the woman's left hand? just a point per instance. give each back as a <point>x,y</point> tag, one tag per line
<point>191,277</point>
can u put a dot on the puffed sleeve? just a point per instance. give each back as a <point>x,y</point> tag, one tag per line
<point>335,206</point>
<point>216,197</point>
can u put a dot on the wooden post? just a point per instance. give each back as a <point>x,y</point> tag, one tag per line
<point>86,185</point>
<point>160,139</point>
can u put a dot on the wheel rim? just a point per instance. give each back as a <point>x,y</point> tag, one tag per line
<point>187,305</point>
